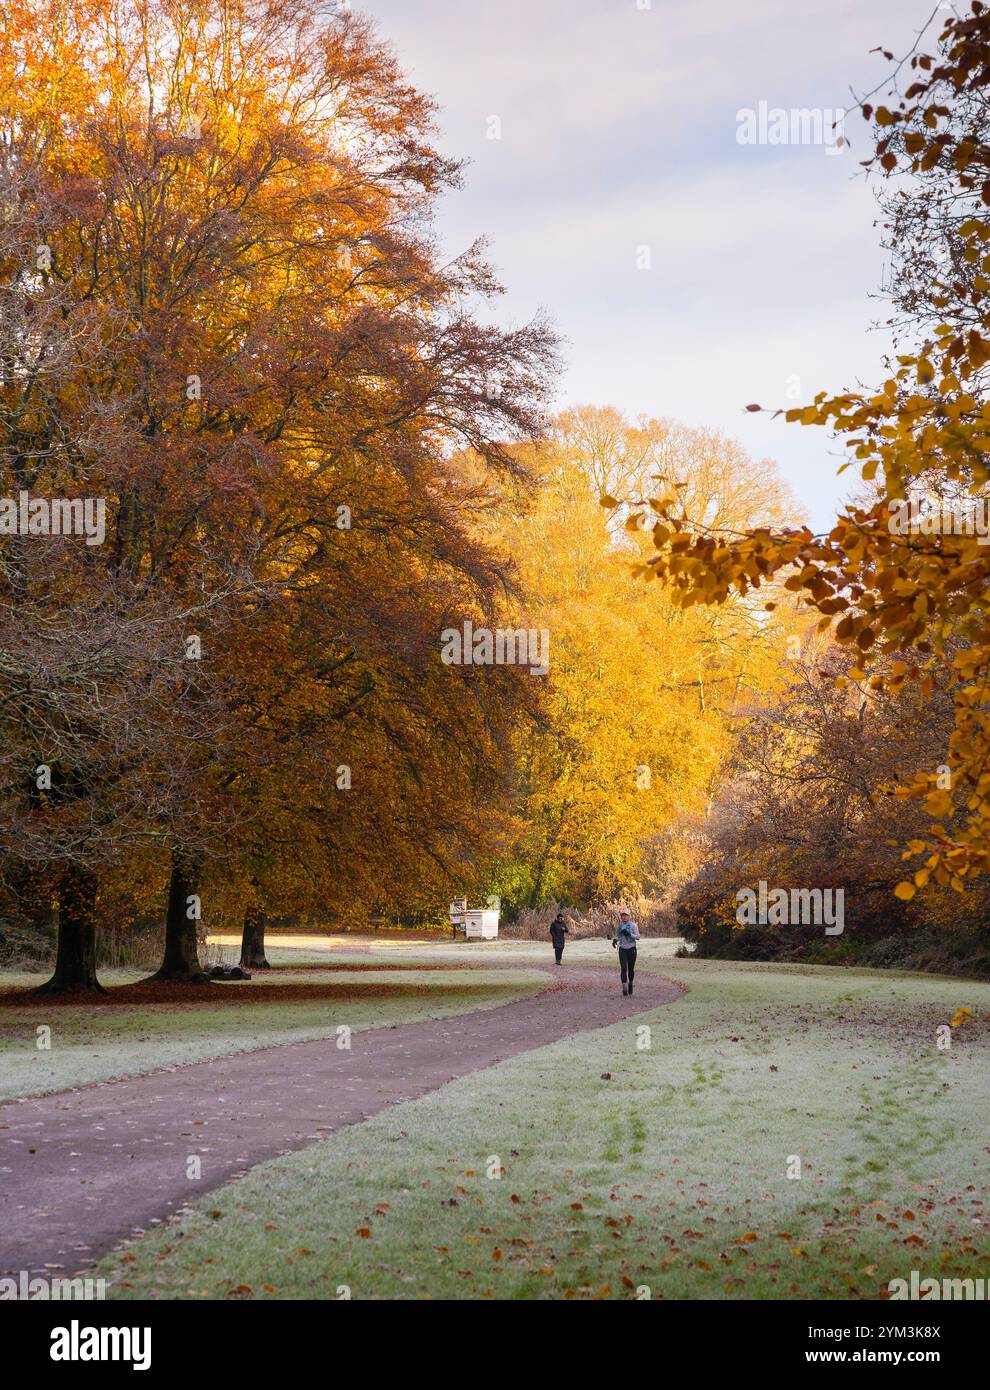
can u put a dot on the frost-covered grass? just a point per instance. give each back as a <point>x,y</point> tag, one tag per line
<point>629,1167</point>
<point>91,1043</point>
<point>288,948</point>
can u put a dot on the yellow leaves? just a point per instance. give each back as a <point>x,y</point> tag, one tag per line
<point>925,372</point>
<point>977,350</point>
<point>905,890</point>
<point>607,500</point>
<point>938,804</point>
<point>844,629</point>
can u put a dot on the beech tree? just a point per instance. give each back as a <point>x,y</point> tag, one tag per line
<point>806,801</point>
<point>106,739</point>
<point>909,602</point>
<point>625,748</point>
<point>282,379</point>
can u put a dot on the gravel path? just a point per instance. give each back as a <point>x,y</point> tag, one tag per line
<point>82,1170</point>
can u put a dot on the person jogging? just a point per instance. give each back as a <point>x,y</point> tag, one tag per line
<point>624,940</point>
<point>558,930</point>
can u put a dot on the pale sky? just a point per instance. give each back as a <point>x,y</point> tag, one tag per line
<point>619,131</point>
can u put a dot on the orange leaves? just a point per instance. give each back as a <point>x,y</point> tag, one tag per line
<point>907,588</point>
<point>302,354</point>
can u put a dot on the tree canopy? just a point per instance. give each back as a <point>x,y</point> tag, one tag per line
<point>909,601</point>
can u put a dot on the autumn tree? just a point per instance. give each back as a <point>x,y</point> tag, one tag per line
<point>108,738</point>
<point>909,598</point>
<point>242,195</point>
<point>807,802</point>
<point>624,748</point>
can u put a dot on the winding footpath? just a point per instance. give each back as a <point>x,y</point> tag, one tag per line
<point>82,1170</point>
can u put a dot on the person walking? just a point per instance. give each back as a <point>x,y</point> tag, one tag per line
<point>558,930</point>
<point>624,941</point>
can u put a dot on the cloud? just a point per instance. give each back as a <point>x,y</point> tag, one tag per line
<point>618,129</point>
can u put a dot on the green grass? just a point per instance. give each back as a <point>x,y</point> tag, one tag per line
<point>669,1176</point>
<point>90,1044</point>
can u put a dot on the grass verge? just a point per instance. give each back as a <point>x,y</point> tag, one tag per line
<point>623,1161</point>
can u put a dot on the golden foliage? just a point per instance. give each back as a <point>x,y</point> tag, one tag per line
<point>890,590</point>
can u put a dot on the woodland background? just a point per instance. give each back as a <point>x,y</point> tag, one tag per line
<point>222,308</point>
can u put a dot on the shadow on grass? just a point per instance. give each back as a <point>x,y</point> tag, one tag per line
<point>239,992</point>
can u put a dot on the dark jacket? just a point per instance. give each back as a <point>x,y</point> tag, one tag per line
<point>558,930</point>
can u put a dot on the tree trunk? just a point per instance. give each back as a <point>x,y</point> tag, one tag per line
<point>181,962</point>
<point>253,941</point>
<point>75,959</point>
